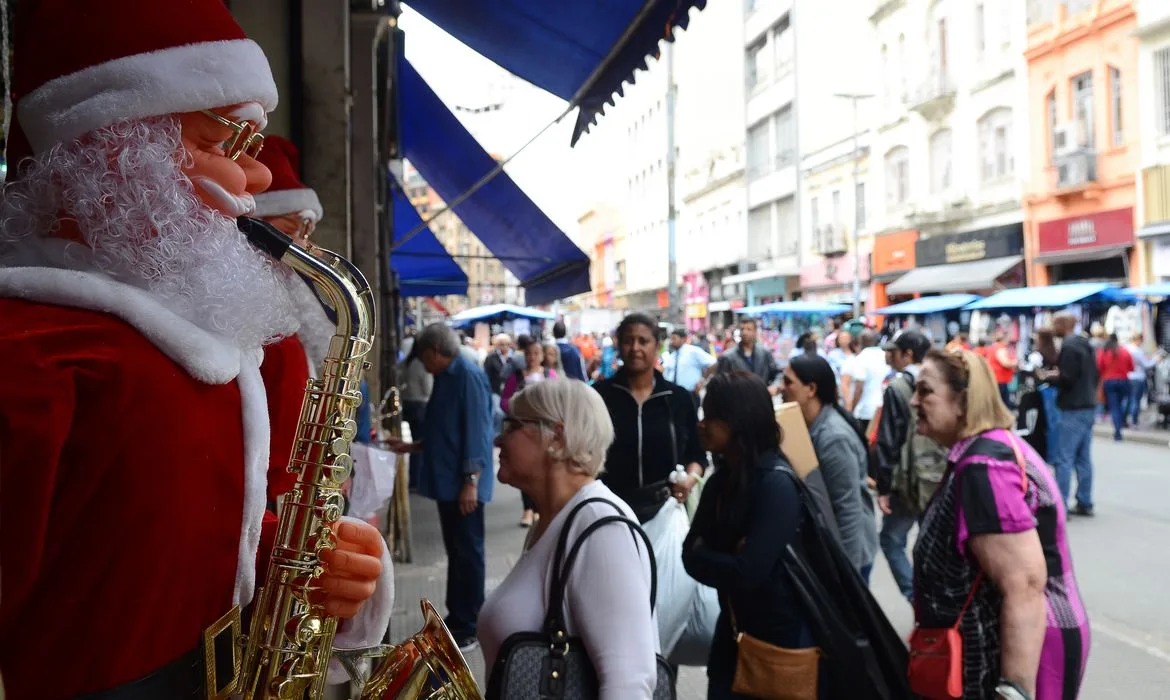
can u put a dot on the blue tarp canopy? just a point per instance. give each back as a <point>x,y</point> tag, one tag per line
<point>423,265</point>
<point>1054,296</point>
<point>1161,289</point>
<point>548,264</point>
<point>795,308</point>
<point>928,305</point>
<point>579,51</point>
<point>498,313</point>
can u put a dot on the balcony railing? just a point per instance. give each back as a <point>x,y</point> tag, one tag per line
<point>830,240</point>
<point>1075,170</point>
<point>1156,186</point>
<point>934,97</point>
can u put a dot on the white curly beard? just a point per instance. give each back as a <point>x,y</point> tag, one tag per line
<point>316,329</point>
<point>137,211</point>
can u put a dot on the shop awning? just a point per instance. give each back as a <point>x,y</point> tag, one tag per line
<point>956,277</point>
<point>1161,289</point>
<point>579,51</point>
<point>795,308</point>
<point>1054,296</point>
<point>424,266</point>
<point>548,265</point>
<point>928,305</point>
<point>498,313</point>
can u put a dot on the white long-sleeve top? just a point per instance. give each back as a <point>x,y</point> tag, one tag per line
<point>607,598</point>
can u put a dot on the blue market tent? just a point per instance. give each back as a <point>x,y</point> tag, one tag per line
<point>1054,296</point>
<point>579,51</point>
<point>498,313</point>
<point>1160,289</point>
<point>928,305</point>
<point>424,266</point>
<point>795,308</point>
<point>548,264</point>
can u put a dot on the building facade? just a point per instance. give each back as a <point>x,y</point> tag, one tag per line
<point>1085,147</point>
<point>949,149</point>
<point>1153,190</point>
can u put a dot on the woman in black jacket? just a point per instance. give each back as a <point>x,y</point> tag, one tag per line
<point>749,513</point>
<point>654,422</point>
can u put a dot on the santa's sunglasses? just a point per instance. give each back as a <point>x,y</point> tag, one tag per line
<point>246,138</point>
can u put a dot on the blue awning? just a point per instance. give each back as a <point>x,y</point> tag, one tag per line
<point>548,264</point>
<point>498,313</point>
<point>1161,289</point>
<point>424,266</point>
<point>795,308</point>
<point>579,51</point>
<point>1054,296</point>
<point>928,305</point>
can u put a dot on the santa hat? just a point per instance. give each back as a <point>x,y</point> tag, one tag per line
<point>80,66</point>
<point>287,194</point>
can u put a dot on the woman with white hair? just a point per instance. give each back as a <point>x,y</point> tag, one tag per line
<point>552,448</point>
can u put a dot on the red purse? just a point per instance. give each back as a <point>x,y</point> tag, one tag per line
<point>936,654</point>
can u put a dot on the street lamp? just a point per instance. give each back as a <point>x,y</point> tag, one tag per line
<point>854,98</point>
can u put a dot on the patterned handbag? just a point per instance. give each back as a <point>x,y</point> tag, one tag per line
<point>551,665</point>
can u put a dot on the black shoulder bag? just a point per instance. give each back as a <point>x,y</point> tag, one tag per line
<point>551,665</point>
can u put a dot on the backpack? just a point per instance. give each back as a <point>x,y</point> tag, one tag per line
<point>924,461</point>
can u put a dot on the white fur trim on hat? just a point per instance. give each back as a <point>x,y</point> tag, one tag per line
<point>281,202</point>
<point>180,79</point>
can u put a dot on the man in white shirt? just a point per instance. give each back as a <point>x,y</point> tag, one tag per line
<point>868,371</point>
<point>686,364</point>
<point>1138,377</point>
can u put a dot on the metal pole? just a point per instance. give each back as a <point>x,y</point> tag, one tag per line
<point>671,212</point>
<point>856,226</point>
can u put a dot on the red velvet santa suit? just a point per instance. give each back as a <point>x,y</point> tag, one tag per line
<point>285,372</point>
<point>122,440</point>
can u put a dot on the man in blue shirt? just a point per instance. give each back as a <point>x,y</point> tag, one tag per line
<point>570,355</point>
<point>457,469</point>
<point>686,364</point>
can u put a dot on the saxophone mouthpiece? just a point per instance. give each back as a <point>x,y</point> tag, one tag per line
<point>265,236</point>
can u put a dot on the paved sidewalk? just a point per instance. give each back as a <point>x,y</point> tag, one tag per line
<point>426,576</point>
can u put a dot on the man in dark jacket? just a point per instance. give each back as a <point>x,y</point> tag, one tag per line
<point>749,356</point>
<point>495,365</point>
<point>570,355</point>
<point>1076,396</point>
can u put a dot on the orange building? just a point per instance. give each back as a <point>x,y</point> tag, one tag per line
<point>1083,112</point>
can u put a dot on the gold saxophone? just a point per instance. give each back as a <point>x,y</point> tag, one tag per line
<point>287,650</point>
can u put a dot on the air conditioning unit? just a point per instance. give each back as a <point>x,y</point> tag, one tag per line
<point>1064,140</point>
<point>1072,172</point>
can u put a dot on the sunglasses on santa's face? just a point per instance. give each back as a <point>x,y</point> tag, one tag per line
<point>246,138</point>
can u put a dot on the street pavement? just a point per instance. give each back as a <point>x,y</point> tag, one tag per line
<point>1121,556</point>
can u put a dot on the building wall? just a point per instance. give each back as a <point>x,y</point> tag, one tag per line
<point>1153,180</point>
<point>951,103</point>
<point>1061,47</point>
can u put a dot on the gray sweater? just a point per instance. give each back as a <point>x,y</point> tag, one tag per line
<point>842,459</point>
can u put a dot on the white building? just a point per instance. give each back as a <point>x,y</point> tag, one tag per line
<point>950,139</point>
<point>1153,19</point>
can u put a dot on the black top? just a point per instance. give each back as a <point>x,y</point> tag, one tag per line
<point>649,440</point>
<point>1077,384</point>
<point>753,578</point>
<point>497,370</point>
<point>760,362</point>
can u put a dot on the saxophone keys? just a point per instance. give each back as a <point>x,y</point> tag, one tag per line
<point>340,468</point>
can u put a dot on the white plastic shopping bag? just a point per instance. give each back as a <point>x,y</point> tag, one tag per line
<point>373,479</point>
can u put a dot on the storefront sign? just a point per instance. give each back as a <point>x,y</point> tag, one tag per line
<point>833,272</point>
<point>1106,229</point>
<point>697,310</point>
<point>948,248</point>
<point>894,252</point>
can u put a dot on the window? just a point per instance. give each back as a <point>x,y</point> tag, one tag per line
<point>1115,96</point>
<point>995,144</point>
<point>1050,108</point>
<point>942,47</point>
<point>783,39</point>
<point>1162,90</point>
<point>757,66</point>
<point>901,64</point>
<point>859,207</point>
<point>814,215</point>
<point>897,176</point>
<point>980,31</point>
<point>941,148</point>
<point>789,236</point>
<point>758,160</point>
<point>785,138</point>
<point>1007,9</point>
<point>1082,90</point>
<point>887,79</point>
<point>837,209</point>
<point>760,232</point>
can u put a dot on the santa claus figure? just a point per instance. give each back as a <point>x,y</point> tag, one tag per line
<point>294,208</point>
<point>134,430</point>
